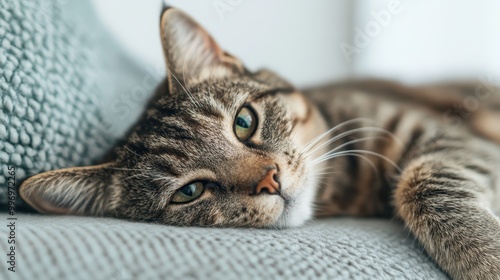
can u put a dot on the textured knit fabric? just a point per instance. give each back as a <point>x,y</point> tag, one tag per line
<point>56,69</point>
<point>52,248</point>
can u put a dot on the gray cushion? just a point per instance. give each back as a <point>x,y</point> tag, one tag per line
<point>52,247</point>
<point>61,81</point>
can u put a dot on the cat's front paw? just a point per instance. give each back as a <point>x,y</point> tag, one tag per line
<point>477,256</point>
<point>484,268</point>
<point>469,250</point>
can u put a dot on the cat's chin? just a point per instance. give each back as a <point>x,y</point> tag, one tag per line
<point>293,218</point>
<point>297,210</point>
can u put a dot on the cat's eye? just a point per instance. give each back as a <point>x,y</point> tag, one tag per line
<point>245,124</point>
<point>188,193</point>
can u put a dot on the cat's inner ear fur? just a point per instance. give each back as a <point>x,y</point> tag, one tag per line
<point>191,54</point>
<point>78,191</point>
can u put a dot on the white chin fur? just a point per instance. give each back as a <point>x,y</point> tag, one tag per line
<point>298,211</point>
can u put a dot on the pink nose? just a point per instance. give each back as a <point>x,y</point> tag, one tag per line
<point>269,183</point>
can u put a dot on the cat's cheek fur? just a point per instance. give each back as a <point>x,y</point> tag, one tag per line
<point>300,205</point>
<point>300,201</point>
<point>299,210</point>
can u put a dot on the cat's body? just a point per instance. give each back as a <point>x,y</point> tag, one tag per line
<point>222,146</point>
<point>417,119</point>
<point>448,186</point>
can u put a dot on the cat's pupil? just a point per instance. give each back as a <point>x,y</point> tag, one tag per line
<point>242,122</point>
<point>189,190</point>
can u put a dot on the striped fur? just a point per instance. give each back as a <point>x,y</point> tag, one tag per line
<point>446,186</point>
<point>416,153</point>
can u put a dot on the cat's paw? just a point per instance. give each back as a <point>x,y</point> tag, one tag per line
<point>487,269</point>
<point>477,257</point>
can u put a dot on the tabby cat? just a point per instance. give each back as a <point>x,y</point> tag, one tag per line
<point>222,146</point>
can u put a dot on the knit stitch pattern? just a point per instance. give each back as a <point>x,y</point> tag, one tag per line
<point>52,247</point>
<point>54,73</point>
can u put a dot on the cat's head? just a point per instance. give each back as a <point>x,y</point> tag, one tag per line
<point>218,146</point>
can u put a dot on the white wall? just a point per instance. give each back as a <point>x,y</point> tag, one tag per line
<point>430,40</point>
<point>315,41</point>
<point>294,37</point>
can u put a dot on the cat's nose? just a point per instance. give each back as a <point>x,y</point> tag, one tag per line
<point>270,183</point>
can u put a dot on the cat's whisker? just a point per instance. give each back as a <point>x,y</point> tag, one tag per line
<point>191,96</point>
<point>326,167</point>
<point>318,138</point>
<point>356,130</point>
<point>364,139</point>
<point>188,93</point>
<point>163,180</point>
<point>128,149</point>
<point>323,169</point>
<point>127,169</point>
<point>335,128</point>
<point>369,161</point>
<point>319,177</point>
<point>329,156</point>
<point>327,173</point>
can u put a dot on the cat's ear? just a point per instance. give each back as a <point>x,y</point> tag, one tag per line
<point>191,54</point>
<point>79,190</point>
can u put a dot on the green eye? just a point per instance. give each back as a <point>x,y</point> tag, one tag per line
<point>188,193</point>
<point>245,124</point>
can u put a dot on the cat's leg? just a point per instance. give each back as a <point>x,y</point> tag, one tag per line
<point>445,197</point>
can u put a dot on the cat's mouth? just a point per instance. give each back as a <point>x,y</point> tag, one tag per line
<point>297,204</point>
<point>287,217</point>
<point>295,211</point>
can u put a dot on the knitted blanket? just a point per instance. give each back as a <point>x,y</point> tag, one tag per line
<point>51,247</point>
<point>59,72</point>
